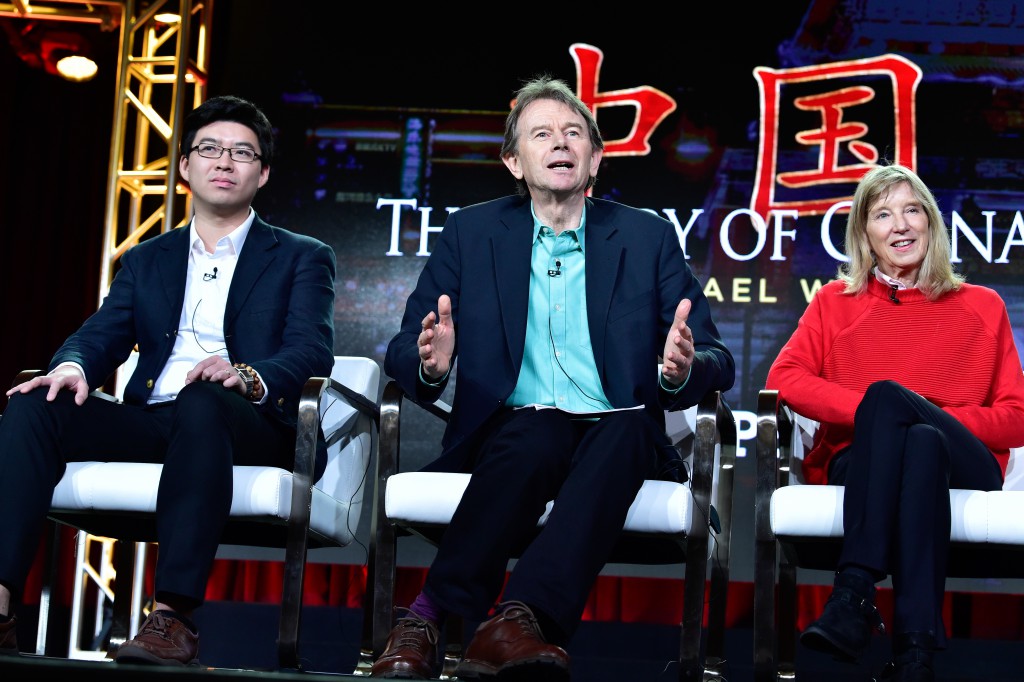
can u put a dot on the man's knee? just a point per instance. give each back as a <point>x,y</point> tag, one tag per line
<point>202,402</point>
<point>34,403</point>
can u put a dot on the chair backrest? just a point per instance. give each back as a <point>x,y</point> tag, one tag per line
<point>1015,470</point>
<point>349,457</point>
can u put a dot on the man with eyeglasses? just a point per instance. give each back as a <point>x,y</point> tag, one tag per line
<point>230,316</point>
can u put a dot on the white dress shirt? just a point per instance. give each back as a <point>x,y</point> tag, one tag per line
<point>201,325</point>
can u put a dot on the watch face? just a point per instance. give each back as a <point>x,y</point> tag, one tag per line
<point>247,378</point>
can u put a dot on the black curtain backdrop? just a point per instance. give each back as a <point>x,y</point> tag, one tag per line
<point>54,152</point>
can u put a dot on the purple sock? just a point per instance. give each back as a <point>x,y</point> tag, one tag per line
<point>425,608</point>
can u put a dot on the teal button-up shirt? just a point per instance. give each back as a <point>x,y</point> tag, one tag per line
<point>558,365</point>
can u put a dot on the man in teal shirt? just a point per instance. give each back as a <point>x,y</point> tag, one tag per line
<point>548,299</point>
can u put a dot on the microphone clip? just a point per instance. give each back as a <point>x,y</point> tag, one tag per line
<point>557,272</point>
<point>207,276</point>
<point>892,295</point>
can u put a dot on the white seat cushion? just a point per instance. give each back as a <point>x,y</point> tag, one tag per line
<point>421,497</point>
<point>977,516</point>
<point>132,487</point>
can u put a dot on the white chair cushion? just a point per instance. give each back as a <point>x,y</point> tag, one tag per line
<point>792,506</point>
<point>977,516</point>
<point>132,487</point>
<point>428,497</point>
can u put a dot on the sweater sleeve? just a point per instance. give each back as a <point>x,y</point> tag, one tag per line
<point>796,371</point>
<point>999,423</point>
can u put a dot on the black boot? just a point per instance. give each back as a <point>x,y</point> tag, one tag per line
<point>844,627</point>
<point>913,659</point>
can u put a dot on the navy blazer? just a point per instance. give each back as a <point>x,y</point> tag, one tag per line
<point>636,274</point>
<point>279,316</point>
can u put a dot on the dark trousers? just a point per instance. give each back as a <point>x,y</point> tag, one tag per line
<point>592,470</point>
<point>198,437</point>
<point>906,455</point>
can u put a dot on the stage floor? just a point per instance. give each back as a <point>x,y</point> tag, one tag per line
<point>601,652</point>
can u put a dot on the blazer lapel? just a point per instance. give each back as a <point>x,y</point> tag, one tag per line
<point>173,269</point>
<point>511,255</point>
<point>257,255</point>
<point>602,264</point>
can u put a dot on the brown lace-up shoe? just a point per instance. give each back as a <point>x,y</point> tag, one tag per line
<point>511,646</point>
<point>163,640</point>
<point>411,651</point>
<point>9,637</point>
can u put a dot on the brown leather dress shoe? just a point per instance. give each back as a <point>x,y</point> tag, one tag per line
<point>162,640</point>
<point>411,651</point>
<point>511,646</point>
<point>9,638</point>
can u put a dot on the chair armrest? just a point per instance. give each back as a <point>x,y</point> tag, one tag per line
<point>390,427</point>
<point>769,448</point>
<point>26,375</point>
<point>308,427</point>
<point>354,398</point>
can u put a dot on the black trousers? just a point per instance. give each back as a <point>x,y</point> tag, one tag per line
<point>198,436</point>
<point>906,455</point>
<point>592,470</point>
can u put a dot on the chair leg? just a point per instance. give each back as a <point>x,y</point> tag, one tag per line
<point>366,658</point>
<point>45,595</point>
<point>384,587</point>
<point>765,568</point>
<point>454,632</point>
<point>787,608</point>
<point>124,585</point>
<point>694,585</point>
<point>291,594</point>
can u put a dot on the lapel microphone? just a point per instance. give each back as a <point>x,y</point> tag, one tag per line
<point>211,276</point>
<point>557,272</point>
<point>892,293</point>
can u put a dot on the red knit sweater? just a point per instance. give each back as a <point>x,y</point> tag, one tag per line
<point>957,351</point>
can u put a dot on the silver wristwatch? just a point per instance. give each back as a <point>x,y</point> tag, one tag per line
<point>247,378</point>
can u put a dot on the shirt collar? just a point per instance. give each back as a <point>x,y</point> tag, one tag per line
<point>577,233</point>
<point>235,238</point>
<point>889,281</point>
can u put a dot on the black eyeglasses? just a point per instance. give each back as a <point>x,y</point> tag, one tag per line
<point>213,151</point>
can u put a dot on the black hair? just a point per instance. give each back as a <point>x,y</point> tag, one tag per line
<point>230,108</point>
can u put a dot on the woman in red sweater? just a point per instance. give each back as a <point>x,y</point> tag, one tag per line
<point>917,384</point>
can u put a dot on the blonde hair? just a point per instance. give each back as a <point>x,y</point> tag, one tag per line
<point>936,276</point>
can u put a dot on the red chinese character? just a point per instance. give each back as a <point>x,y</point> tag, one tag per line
<point>652,105</point>
<point>835,133</point>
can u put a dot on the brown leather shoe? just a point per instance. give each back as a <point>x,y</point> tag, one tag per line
<point>511,645</point>
<point>9,638</point>
<point>162,640</point>
<point>411,651</point>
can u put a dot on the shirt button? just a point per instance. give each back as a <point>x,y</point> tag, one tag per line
<point>557,307</point>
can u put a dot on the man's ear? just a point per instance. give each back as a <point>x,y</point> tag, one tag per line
<point>183,166</point>
<point>512,163</point>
